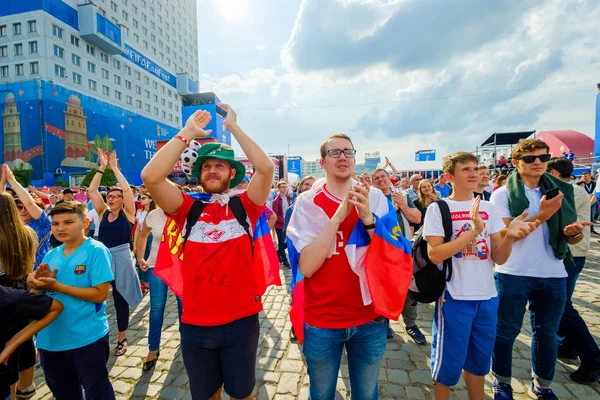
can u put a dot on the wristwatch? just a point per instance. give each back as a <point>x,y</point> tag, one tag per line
<point>372,225</point>
<point>576,235</point>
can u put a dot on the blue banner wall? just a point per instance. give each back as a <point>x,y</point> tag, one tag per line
<point>295,166</point>
<point>58,135</point>
<point>425,155</point>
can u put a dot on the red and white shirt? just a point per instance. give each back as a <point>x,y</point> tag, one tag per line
<point>218,267</point>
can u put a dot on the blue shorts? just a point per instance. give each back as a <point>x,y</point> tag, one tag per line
<point>223,355</point>
<point>464,332</point>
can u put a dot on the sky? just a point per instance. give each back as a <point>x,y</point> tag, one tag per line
<point>400,76</point>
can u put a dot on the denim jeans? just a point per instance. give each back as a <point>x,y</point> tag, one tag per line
<point>365,345</point>
<point>158,301</point>
<point>573,333</point>
<point>546,298</point>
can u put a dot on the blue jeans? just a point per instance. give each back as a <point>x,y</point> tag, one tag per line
<point>546,298</point>
<point>158,301</point>
<point>573,333</point>
<point>365,345</point>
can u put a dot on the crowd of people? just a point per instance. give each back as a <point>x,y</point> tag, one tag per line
<point>513,242</point>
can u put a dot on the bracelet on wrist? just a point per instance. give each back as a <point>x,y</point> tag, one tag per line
<point>183,139</point>
<point>100,172</point>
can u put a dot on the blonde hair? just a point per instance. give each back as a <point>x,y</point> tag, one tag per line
<point>421,196</point>
<point>17,241</point>
<point>299,188</point>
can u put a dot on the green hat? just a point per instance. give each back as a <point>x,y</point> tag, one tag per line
<point>222,152</point>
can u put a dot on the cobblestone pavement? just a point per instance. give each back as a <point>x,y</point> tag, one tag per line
<point>281,372</point>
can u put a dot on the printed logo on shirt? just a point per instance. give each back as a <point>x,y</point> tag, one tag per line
<point>478,249</point>
<point>215,234</point>
<point>80,270</point>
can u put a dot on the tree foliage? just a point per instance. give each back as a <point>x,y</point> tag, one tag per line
<point>108,178</point>
<point>23,175</point>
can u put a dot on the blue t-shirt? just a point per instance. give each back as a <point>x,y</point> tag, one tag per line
<point>90,207</point>
<point>82,322</point>
<point>444,191</point>
<point>41,226</point>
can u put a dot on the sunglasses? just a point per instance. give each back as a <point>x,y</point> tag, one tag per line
<point>531,159</point>
<point>145,198</point>
<point>336,153</point>
<point>20,207</point>
<point>113,196</point>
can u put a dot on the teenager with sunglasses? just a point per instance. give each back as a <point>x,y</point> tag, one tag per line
<point>116,223</point>
<point>535,274</point>
<point>147,204</point>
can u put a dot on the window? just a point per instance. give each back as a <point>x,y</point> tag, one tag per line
<point>164,114</point>
<point>156,98</point>
<point>91,67</point>
<point>4,51</point>
<point>17,28</point>
<point>56,31</point>
<point>117,79</point>
<point>75,59</point>
<point>91,50</point>
<point>125,16</point>
<point>135,23</point>
<point>4,71</point>
<point>138,90</point>
<point>136,38</point>
<point>124,2</point>
<point>145,45</point>
<point>162,89</point>
<point>76,78</point>
<point>74,41</point>
<point>59,51</point>
<point>127,85</point>
<point>169,92</point>
<point>138,103</point>
<point>59,71</point>
<point>105,90</point>
<point>113,6</point>
<point>128,100</point>
<point>104,73</point>
<point>135,10</point>
<point>2,30</point>
<point>147,93</point>
<point>176,119</point>
<point>116,64</point>
<point>144,17</point>
<point>104,57</point>
<point>137,75</point>
<point>92,84</point>
<point>146,80</point>
<point>31,26</point>
<point>152,37</point>
<point>170,117</point>
<point>147,107</point>
<point>128,70</point>
<point>34,67</point>
<point>19,70</point>
<point>162,102</point>
<point>33,47</point>
<point>117,95</point>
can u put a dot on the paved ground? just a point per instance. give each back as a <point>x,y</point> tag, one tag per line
<point>282,373</point>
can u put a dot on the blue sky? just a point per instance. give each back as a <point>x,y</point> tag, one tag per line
<point>400,75</point>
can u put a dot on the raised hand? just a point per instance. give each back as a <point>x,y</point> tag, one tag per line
<point>387,161</point>
<point>343,211</point>
<point>359,197</point>
<point>102,158</point>
<point>231,120</point>
<point>476,219</point>
<point>113,160</point>
<point>398,200</point>
<point>549,207</point>
<point>44,271</point>
<point>519,228</point>
<point>8,174</point>
<point>196,123</point>
<point>576,227</point>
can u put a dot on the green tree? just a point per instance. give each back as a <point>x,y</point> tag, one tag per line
<point>62,183</point>
<point>108,178</point>
<point>23,175</point>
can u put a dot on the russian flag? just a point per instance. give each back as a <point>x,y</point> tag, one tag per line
<point>169,260</point>
<point>383,262</point>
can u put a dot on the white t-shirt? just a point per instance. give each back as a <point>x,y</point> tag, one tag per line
<point>472,267</point>
<point>140,217</point>
<point>93,216</point>
<point>155,220</point>
<point>531,256</point>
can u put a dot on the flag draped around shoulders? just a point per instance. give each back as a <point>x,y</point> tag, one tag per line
<point>382,262</point>
<point>169,260</point>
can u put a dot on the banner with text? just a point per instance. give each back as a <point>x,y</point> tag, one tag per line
<point>143,62</point>
<point>425,155</point>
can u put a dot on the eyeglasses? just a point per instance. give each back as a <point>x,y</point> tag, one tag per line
<point>531,159</point>
<point>336,153</point>
<point>144,198</point>
<point>113,196</point>
<point>20,207</point>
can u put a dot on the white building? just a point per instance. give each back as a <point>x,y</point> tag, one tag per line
<point>312,168</point>
<point>139,55</point>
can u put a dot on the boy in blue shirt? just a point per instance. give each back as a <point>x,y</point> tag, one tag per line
<point>74,349</point>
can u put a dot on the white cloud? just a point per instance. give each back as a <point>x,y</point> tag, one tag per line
<point>382,66</point>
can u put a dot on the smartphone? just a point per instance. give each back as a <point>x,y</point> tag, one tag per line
<point>552,193</point>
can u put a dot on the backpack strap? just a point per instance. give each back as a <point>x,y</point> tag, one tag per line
<point>192,218</point>
<point>237,208</point>
<point>447,223</point>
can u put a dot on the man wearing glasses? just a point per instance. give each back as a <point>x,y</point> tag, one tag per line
<point>535,273</point>
<point>335,313</point>
<point>413,190</point>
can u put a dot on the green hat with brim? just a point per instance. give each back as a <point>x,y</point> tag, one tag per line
<point>222,152</point>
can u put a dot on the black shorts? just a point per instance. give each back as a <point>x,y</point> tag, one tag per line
<point>221,355</point>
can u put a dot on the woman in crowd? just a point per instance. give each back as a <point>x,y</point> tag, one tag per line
<point>18,244</point>
<point>152,228</point>
<point>427,194</point>
<point>500,181</point>
<point>147,205</point>
<point>31,213</point>
<point>116,222</point>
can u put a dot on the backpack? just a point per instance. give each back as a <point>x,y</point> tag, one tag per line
<point>429,282</point>
<point>236,207</point>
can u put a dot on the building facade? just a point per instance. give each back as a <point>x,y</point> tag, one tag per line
<point>76,76</point>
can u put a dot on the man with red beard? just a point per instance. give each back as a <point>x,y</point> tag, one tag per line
<point>219,323</point>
